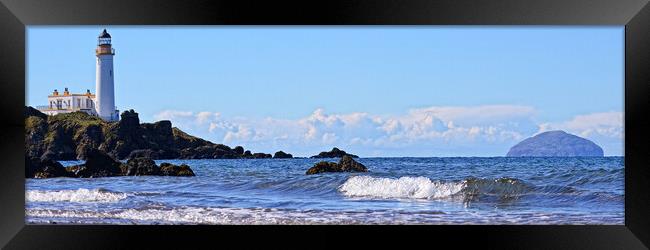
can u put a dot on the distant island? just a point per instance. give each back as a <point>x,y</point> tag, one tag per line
<point>555,144</point>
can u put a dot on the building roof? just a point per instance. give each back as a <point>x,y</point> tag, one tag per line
<point>104,34</point>
<point>91,95</point>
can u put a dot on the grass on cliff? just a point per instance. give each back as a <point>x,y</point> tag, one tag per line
<point>180,135</point>
<point>78,122</point>
<point>32,121</point>
<point>76,118</point>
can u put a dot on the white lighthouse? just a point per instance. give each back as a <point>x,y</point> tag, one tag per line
<point>102,103</point>
<point>104,85</point>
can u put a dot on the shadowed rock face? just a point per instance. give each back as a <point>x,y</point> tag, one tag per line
<point>322,167</point>
<point>346,164</point>
<point>555,144</point>
<point>43,168</point>
<point>281,154</point>
<point>334,153</point>
<point>140,166</point>
<point>261,156</point>
<point>100,164</point>
<point>168,169</point>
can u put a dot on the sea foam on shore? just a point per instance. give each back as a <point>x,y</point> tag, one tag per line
<point>77,195</point>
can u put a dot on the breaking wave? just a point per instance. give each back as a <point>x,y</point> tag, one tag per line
<point>404,187</point>
<point>78,195</point>
<point>424,188</point>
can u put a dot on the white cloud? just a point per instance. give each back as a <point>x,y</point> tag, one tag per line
<point>476,130</point>
<point>605,129</point>
<point>173,115</point>
<point>609,124</point>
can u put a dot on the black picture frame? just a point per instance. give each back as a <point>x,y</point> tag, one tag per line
<point>633,14</point>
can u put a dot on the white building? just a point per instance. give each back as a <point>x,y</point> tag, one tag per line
<point>103,103</point>
<point>66,103</point>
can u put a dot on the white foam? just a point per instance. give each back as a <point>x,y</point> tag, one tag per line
<point>78,195</point>
<point>402,188</point>
<point>243,216</point>
<point>188,215</point>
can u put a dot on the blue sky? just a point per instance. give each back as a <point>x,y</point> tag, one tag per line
<point>376,91</point>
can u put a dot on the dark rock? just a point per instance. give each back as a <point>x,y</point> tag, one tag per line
<point>98,164</point>
<point>168,169</point>
<point>51,169</point>
<point>182,140</point>
<point>129,119</point>
<point>334,153</point>
<point>69,136</point>
<point>322,167</point>
<point>36,129</point>
<point>124,136</point>
<point>212,151</point>
<point>154,154</point>
<point>48,155</point>
<point>239,150</point>
<point>346,164</point>
<point>140,166</point>
<point>555,144</point>
<point>32,164</point>
<point>148,153</point>
<point>43,168</point>
<point>60,141</point>
<point>29,111</point>
<point>261,155</point>
<point>87,138</point>
<point>158,136</point>
<point>281,154</point>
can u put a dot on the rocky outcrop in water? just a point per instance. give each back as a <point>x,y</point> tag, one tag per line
<point>140,166</point>
<point>281,154</point>
<point>44,168</point>
<point>334,153</point>
<point>555,144</point>
<point>70,136</point>
<point>168,169</point>
<point>100,164</point>
<point>261,156</point>
<point>346,164</point>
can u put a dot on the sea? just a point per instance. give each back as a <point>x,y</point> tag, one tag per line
<point>448,190</point>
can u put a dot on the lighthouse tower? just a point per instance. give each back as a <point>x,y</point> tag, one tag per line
<point>104,87</point>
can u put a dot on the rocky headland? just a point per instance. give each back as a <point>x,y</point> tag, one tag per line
<point>79,136</point>
<point>70,136</point>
